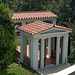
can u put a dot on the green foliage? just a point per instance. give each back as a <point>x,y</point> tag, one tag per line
<point>73,44</point>
<point>71,57</point>
<point>7,41</point>
<point>73,31</point>
<point>5,18</point>
<point>17,70</point>
<point>73,10</point>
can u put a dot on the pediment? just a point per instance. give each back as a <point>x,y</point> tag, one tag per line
<point>52,31</point>
<point>56,30</point>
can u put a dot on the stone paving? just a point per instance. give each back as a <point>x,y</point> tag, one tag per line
<point>52,70</point>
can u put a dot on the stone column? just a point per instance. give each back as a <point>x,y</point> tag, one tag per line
<point>65,49</point>
<point>34,53</point>
<point>23,23</point>
<point>49,47</point>
<point>23,44</point>
<point>21,48</point>
<point>42,53</point>
<point>53,43</point>
<point>31,57</point>
<point>29,48</point>
<point>57,50</point>
<point>54,21</point>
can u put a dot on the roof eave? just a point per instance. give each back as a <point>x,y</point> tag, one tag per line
<point>32,18</point>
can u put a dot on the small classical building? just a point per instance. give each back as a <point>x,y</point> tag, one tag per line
<point>42,44</point>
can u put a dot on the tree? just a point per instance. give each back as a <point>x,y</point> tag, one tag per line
<point>7,34</point>
<point>71,57</point>
<point>73,31</point>
<point>73,9</point>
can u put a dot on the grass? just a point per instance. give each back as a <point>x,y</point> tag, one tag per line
<point>18,70</point>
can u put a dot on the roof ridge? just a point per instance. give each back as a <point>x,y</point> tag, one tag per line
<point>31,11</point>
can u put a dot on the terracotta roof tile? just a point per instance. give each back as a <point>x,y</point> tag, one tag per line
<point>33,15</point>
<point>39,26</point>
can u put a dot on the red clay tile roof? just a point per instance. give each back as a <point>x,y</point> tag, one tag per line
<point>33,15</point>
<point>39,26</point>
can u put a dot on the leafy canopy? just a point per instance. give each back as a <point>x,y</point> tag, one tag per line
<point>7,41</point>
<point>71,57</point>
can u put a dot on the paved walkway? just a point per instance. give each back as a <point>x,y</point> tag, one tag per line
<point>53,70</point>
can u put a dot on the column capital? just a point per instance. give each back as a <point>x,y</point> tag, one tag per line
<point>22,35</point>
<point>35,39</point>
<point>49,37</point>
<point>42,38</point>
<point>66,35</point>
<point>58,36</point>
